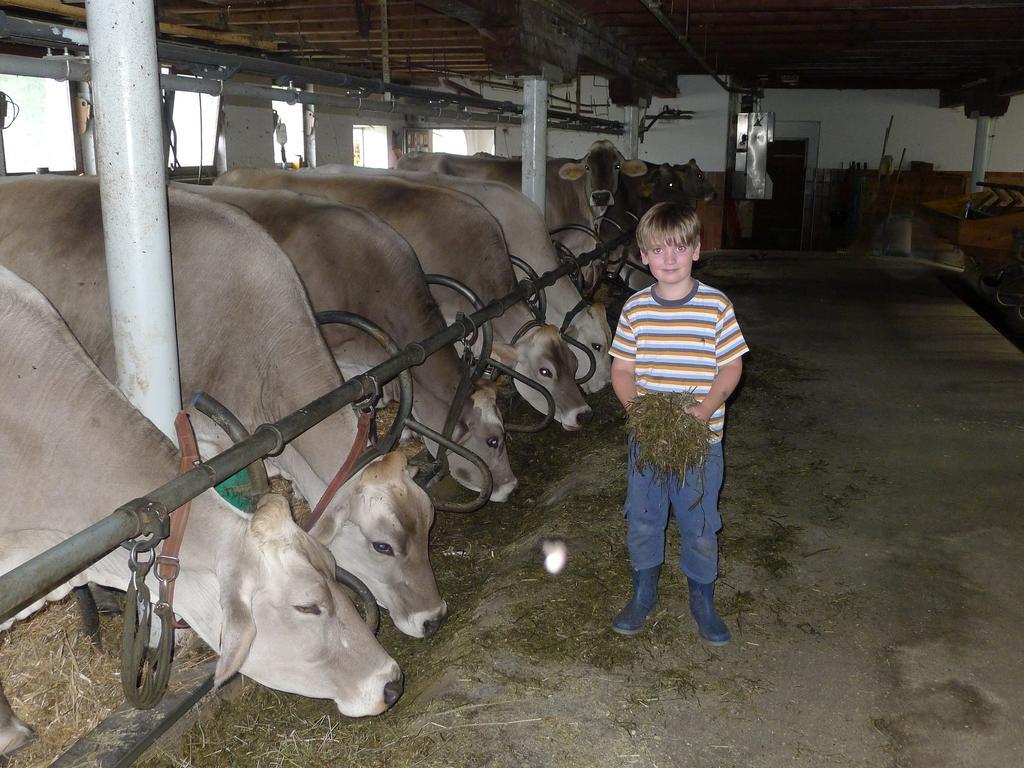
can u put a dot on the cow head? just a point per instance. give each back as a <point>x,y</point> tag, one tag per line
<point>694,183</point>
<point>481,429</point>
<point>590,328</point>
<point>289,625</point>
<point>599,171</point>
<point>383,540</point>
<point>543,356</point>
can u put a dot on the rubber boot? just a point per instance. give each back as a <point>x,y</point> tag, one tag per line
<point>630,619</point>
<point>702,605</point>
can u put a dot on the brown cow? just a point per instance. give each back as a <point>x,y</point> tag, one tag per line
<point>527,237</point>
<point>246,335</point>
<point>453,234</point>
<point>351,260</point>
<point>576,191</point>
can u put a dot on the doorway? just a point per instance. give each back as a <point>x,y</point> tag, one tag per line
<point>778,222</point>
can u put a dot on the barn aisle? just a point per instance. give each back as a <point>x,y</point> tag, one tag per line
<point>884,424</point>
<point>871,562</point>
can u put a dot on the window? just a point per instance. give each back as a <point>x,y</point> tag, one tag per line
<point>38,131</point>
<point>370,146</point>
<point>459,141</point>
<point>195,129</point>
<point>290,117</point>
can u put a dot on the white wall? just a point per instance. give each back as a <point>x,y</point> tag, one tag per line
<point>702,138</point>
<point>853,127</point>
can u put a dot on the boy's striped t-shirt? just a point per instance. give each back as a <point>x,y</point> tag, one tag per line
<point>678,346</point>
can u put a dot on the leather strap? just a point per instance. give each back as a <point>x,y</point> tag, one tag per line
<point>167,563</point>
<point>344,471</point>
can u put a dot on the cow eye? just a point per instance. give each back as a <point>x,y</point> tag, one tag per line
<point>384,548</point>
<point>493,442</point>
<point>312,609</point>
<point>545,372</point>
<point>597,347</point>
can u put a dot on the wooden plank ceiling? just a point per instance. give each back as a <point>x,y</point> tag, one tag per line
<point>643,44</point>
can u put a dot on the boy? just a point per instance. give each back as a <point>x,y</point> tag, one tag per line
<point>679,335</point>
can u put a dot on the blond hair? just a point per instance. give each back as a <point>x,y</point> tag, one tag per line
<point>668,224</point>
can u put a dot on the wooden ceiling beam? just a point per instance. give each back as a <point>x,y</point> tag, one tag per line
<point>550,37</point>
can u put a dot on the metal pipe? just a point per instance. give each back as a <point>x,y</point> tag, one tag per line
<point>198,58</point>
<point>133,192</point>
<point>654,6</point>
<point>217,412</point>
<point>38,576</point>
<point>71,68</point>
<point>371,613</point>
<point>982,148</point>
<point>535,139</point>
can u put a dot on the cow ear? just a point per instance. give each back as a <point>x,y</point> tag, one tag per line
<point>572,171</point>
<point>634,168</point>
<point>504,353</point>
<point>237,633</point>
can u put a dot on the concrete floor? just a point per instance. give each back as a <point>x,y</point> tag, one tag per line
<point>871,568</point>
<point>901,460</point>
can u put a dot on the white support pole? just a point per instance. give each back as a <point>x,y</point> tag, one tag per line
<point>982,148</point>
<point>87,138</point>
<point>631,122</point>
<point>535,139</point>
<point>309,132</point>
<point>133,191</point>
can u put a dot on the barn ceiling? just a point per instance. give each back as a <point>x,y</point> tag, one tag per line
<point>642,45</point>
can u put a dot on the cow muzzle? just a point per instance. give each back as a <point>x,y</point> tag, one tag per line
<point>601,198</point>
<point>392,691</point>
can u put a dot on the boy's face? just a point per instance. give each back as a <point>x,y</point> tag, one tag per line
<point>671,263</point>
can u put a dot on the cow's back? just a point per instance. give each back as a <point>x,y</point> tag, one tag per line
<point>450,232</point>
<point>239,306</point>
<point>351,260</point>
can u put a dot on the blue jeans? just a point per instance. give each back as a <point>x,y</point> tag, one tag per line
<point>695,503</point>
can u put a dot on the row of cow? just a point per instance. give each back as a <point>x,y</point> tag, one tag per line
<point>254,257</point>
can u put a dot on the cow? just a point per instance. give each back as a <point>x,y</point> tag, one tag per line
<point>526,235</point>
<point>684,183</point>
<point>247,335</point>
<point>576,191</point>
<point>260,591</point>
<point>453,234</point>
<point>349,259</point>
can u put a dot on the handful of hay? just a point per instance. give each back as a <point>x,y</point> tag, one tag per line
<point>667,437</point>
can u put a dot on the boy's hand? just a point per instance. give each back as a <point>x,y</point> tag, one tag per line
<point>699,412</point>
